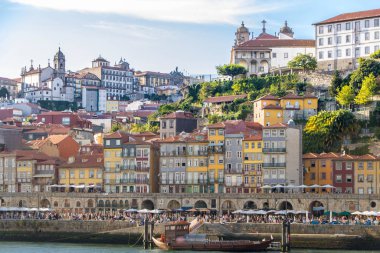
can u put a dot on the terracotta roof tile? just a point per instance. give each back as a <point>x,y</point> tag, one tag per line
<point>268,43</point>
<point>351,16</point>
<point>178,115</point>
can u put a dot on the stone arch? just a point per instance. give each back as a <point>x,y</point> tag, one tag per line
<point>147,204</point>
<point>45,203</point>
<point>22,203</point>
<point>55,204</point>
<point>126,204</point>
<point>243,63</point>
<point>173,204</point>
<point>253,66</point>
<point>108,203</point>
<point>228,205</point>
<point>90,203</point>
<point>78,204</point>
<point>200,204</point>
<point>266,206</point>
<point>250,205</point>
<point>121,204</point>
<point>66,203</point>
<point>285,205</point>
<point>264,66</point>
<point>2,202</point>
<point>100,203</point>
<point>315,208</point>
<point>114,203</point>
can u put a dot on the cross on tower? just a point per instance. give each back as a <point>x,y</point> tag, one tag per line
<point>264,22</point>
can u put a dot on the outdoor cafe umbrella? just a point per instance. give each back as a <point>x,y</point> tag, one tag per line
<point>328,213</point>
<point>237,212</point>
<point>144,211</point>
<point>357,213</point>
<point>266,187</point>
<point>327,186</point>
<point>344,213</point>
<point>132,210</point>
<point>192,210</point>
<point>156,211</point>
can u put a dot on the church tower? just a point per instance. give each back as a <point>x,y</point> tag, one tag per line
<point>59,64</point>
<point>242,34</point>
<point>286,32</point>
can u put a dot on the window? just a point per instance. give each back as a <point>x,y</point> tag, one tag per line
<point>338,27</point>
<point>81,174</point>
<point>320,55</point>
<point>360,178</point>
<point>274,55</point>
<point>338,178</point>
<point>348,52</point>
<point>360,166</point>
<point>370,178</point>
<point>370,165</point>
<point>65,121</point>
<point>117,142</point>
<point>376,22</point>
<point>320,41</point>
<point>329,40</point>
<point>312,176</point>
<point>360,190</point>
<point>220,132</point>
<point>285,55</point>
<point>323,163</point>
<point>338,53</point>
<point>357,25</point>
<point>348,38</point>
<point>228,154</point>
<point>348,178</point>
<point>348,26</point>
<point>367,36</point>
<point>338,40</point>
<point>329,28</point>
<point>259,145</point>
<point>212,132</point>
<point>239,154</point>
<point>366,24</point>
<point>252,145</point>
<point>367,50</point>
<point>377,35</point>
<point>349,166</point>
<point>321,30</point>
<point>376,48</point>
<point>329,54</point>
<point>323,175</point>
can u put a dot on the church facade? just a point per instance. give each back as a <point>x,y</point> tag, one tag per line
<point>267,53</point>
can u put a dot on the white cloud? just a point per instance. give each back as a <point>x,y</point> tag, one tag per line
<point>131,30</point>
<point>186,11</point>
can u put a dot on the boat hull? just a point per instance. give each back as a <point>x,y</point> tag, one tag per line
<point>230,246</point>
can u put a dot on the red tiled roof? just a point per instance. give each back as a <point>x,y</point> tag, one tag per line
<point>85,161</point>
<point>351,16</point>
<point>291,96</point>
<point>252,137</point>
<point>143,113</point>
<point>278,125</point>
<point>268,43</point>
<point>178,115</point>
<point>266,36</point>
<point>268,97</point>
<point>221,99</point>
<point>217,125</point>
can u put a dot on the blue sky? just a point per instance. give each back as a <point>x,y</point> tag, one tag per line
<point>157,35</point>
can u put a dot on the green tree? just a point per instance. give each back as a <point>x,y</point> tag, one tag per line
<point>336,84</point>
<point>115,127</point>
<point>345,96</point>
<point>325,131</point>
<point>367,90</point>
<point>4,92</point>
<point>375,55</point>
<point>304,61</point>
<point>231,70</point>
<point>366,67</point>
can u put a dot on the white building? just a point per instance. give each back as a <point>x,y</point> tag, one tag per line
<point>267,52</point>
<point>46,83</point>
<point>94,98</point>
<point>343,39</point>
<point>117,79</point>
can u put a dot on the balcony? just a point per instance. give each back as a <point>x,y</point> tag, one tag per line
<point>202,181</point>
<point>143,168</point>
<point>216,150</point>
<point>274,150</point>
<point>127,180</point>
<point>142,181</point>
<point>292,107</point>
<point>274,165</point>
<point>221,180</point>
<point>197,153</point>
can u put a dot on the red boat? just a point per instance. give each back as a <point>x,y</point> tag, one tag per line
<point>177,237</point>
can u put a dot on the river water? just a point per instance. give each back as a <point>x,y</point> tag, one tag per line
<point>27,247</point>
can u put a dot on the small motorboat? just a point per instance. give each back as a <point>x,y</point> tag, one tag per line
<point>177,237</point>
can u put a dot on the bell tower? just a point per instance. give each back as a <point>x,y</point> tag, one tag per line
<point>59,63</point>
<point>242,34</point>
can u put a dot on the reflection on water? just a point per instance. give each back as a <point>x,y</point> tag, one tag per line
<point>28,247</point>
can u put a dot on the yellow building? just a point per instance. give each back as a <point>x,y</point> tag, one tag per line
<point>112,106</point>
<point>83,173</point>
<point>252,163</point>
<point>25,165</point>
<point>366,176</point>
<point>216,157</point>
<point>318,169</point>
<point>113,160</point>
<point>269,110</point>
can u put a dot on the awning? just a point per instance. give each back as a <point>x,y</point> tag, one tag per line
<point>43,175</point>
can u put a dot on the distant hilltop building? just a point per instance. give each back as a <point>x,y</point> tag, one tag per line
<point>267,52</point>
<point>343,39</point>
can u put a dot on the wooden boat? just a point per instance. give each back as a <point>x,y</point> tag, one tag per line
<point>177,237</point>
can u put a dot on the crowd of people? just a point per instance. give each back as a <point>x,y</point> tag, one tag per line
<point>139,218</point>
